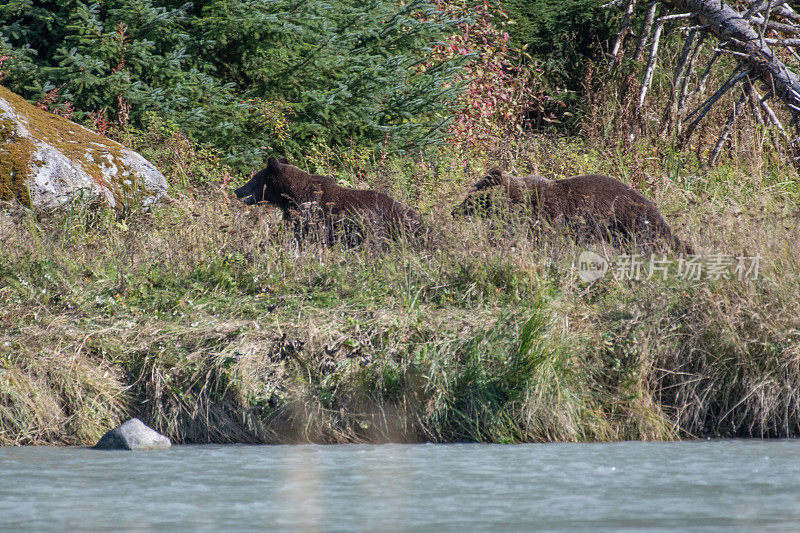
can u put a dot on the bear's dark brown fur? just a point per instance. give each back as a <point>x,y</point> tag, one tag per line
<point>593,204</point>
<point>299,193</point>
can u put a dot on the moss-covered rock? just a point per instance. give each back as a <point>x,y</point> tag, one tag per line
<point>47,160</point>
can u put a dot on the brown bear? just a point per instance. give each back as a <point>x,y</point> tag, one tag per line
<point>316,200</point>
<point>592,205</point>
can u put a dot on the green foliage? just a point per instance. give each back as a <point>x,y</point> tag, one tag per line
<point>562,35</point>
<point>246,76</point>
<point>126,56</point>
<point>346,72</point>
<point>162,142</point>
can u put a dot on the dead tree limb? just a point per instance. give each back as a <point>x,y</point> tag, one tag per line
<point>779,7</point>
<point>777,26</point>
<point>794,53</point>
<point>616,50</point>
<point>706,106</point>
<point>783,42</point>
<point>773,118</point>
<point>754,102</point>
<point>729,84</point>
<point>671,110</point>
<point>764,25</point>
<point>648,77</point>
<point>731,52</point>
<point>726,131</point>
<point>729,25</point>
<point>701,85</point>
<point>685,86</point>
<point>638,55</point>
<point>759,34</point>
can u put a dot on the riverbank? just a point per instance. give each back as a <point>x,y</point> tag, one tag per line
<point>205,320</point>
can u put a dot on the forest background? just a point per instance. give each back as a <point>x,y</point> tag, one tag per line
<point>207,320</point>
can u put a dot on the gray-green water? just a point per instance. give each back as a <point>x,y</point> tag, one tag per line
<point>687,486</point>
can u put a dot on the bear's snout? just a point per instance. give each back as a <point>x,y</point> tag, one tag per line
<point>471,205</point>
<point>460,210</point>
<point>246,192</point>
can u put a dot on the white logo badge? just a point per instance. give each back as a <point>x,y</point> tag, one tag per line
<point>591,266</point>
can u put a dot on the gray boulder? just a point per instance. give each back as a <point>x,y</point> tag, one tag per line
<point>47,161</point>
<point>133,435</point>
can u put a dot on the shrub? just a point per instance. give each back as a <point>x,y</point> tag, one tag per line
<point>563,37</point>
<point>503,87</point>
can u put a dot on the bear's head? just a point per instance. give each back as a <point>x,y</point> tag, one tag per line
<point>493,178</point>
<point>264,185</point>
<point>479,197</point>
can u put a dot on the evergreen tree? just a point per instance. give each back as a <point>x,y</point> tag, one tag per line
<point>346,71</point>
<point>241,74</point>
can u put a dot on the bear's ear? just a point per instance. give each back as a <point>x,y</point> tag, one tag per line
<point>273,165</point>
<point>284,161</point>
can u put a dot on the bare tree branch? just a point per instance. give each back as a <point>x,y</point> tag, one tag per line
<point>729,25</point>
<point>726,131</point>
<point>729,83</point>
<point>671,110</point>
<point>752,31</point>
<point>638,55</point>
<point>794,53</point>
<point>783,42</point>
<point>779,8</point>
<point>706,106</point>
<point>777,26</point>
<point>701,85</point>
<point>689,70</point>
<point>770,113</point>
<point>616,50</point>
<point>754,102</point>
<point>764,25</point>
<point>732,53</point>
<point>648,77</point>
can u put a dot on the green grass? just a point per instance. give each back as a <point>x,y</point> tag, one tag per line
<point>204,318</point>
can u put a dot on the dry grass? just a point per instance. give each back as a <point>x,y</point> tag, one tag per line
<point>208,321</point>
<point>204,318</point>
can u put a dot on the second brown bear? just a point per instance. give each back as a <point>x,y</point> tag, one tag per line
<point>593,205</point>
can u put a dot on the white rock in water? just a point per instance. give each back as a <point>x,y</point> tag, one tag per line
<point>133,435</point>
<point>47,160</point>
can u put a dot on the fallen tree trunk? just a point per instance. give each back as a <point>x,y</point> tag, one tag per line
<point>730,27</point>
<point>744,30</point>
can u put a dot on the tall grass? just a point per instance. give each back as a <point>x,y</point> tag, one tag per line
<point>208,320</point>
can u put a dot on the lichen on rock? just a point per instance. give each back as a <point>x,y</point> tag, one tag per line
<point>47,160</point>
<point>15,156</point>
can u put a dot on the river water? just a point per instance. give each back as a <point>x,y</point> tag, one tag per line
<point>685,486</point>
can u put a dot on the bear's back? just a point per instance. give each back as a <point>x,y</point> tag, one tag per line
<point>364,204</point>
<point>375,202</point>
<point>601,187</point>
<point>600,195</point>
<point>518,189</point>
<point>602,198</point>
